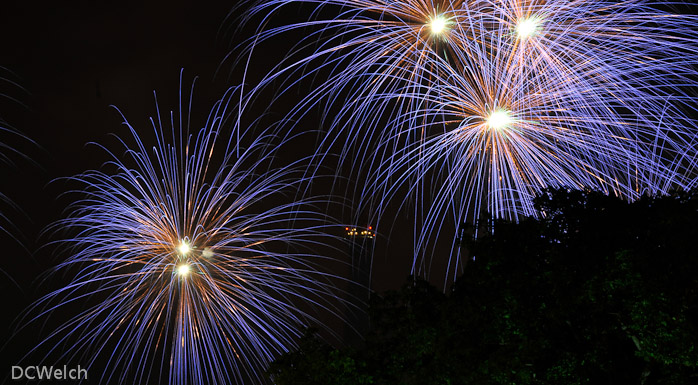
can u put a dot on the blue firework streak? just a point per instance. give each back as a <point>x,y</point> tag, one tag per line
<point>193,268</point>
<point>10,139</point>
<point>10,91</point>
<point>476,106</point>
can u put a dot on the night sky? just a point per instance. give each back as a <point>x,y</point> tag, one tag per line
<point>77,59</point>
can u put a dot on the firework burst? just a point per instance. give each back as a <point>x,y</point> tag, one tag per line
<point>626,60</point>
<point>476,106</point>
<point>194,266</point>
<point>493,135</point>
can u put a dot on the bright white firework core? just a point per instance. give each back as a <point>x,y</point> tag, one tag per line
<point>437,25</point>
<point>183,270</point>
<point>184,248</point>
<point>499,119</point>
<point>527,27</point>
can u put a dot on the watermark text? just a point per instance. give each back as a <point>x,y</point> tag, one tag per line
<point>48,373</point>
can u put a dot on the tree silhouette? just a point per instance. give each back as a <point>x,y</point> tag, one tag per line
<point>599,291</point>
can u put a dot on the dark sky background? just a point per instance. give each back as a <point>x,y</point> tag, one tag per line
<point>75,59</point>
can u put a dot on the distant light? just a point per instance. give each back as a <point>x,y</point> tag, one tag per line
<point>207,253</point>
<point>184,248</point>
<point>438,25</point>
<point>499,119</point>
<point>183,270</point>
<point>528,27</point>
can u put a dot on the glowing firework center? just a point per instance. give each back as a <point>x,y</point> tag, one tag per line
<point>499,119</point>
<point>184,254</point>
<point>438,25</point>
<point>183,270</point>
<point>184,248</point>
<point>528,27</point>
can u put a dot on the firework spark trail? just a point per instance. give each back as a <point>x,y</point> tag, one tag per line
<point>476,106</point>
<point>196,269</point>
<point>10,91</point>
<point>10,140</point>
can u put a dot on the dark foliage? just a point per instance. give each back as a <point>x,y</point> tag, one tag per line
<point>599,291</point>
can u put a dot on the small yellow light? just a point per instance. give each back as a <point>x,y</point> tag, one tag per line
<point>183,270</point>
<point>183,248</point>
<point>499,119</point>
<point>207,253</point>
<point>438,25</point>
<point>528,27</point>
